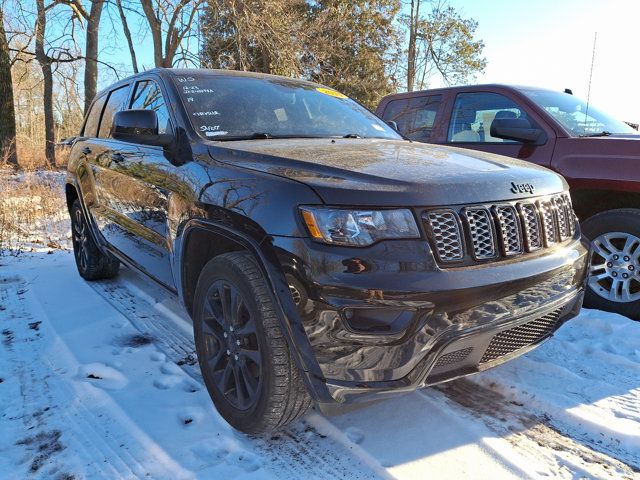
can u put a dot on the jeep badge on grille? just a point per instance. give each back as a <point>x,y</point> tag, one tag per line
<point>521,188</point>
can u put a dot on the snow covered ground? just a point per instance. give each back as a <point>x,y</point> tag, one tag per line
<point>98,380</point>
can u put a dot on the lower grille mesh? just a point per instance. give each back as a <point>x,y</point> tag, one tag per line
<point>453,357</point>
<point>509,341</point>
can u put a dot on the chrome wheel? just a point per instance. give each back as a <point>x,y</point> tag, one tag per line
<point>232,352</point>
<point>615,267</point>
<point>80,239</point>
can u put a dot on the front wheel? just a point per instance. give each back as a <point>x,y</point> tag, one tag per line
<point>613,283</point>
<point>243,355</point>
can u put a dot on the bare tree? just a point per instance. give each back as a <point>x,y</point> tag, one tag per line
<point>45,62</point>
<point>441,42</point>
<point>170,22</point>
<point>127,35</point>
<point>413,22</point>
<point>8,116</point>
<point>91,51</point>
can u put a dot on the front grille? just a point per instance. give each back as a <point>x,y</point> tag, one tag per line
<point>532,227</point>
<point>508,341</point>
<point>548,222</point>
<point>445,233</point>
<point>453,357</point>
<point>481,230</point>
<point>509,230</point>
<point>500,230</point>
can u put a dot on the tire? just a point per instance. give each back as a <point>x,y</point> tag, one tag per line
<point>91,262</point>
<point>614,278</point>
<point>244,358</point>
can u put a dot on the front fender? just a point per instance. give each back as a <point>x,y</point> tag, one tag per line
<point>266,258</point>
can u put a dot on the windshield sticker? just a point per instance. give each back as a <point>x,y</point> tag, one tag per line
<point>332,93</point>
<point>209,128</point>
<point>191,89</point>
<point>377,127</point>
<point>281,114</point>
<point>212,113</point>
<point>215,134</point>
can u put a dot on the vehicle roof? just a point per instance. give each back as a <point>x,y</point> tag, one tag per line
<point>463,88</point>
<point>173,72</point>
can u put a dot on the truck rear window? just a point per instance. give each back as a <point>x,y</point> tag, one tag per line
<point>414,116</point>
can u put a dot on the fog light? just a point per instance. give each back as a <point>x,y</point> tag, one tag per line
<point>377,321</point>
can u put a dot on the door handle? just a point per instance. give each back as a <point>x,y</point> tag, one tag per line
<point>86,150</point>
<point>117,157</point>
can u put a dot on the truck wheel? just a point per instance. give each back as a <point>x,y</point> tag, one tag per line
<point>614,277</point>
<point>91,262</point>
<point>243,355</point>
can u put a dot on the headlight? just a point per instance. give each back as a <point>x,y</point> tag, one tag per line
<point>358,227</point>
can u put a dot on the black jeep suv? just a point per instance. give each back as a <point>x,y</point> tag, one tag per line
<point>322,258</point>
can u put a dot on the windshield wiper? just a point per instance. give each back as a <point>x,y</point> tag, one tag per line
<point>352,135</point>
<point>599,134</point>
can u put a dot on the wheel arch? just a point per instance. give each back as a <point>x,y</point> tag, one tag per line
<point>213,239</point>
<point>71,194</point>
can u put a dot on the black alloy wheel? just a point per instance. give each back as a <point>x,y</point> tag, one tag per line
<point>232,350</point>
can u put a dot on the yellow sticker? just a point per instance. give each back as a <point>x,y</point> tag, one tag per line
<point>333,93</point>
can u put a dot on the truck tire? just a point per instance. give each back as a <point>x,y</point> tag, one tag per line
<point>613,282</point>
<point>243,355</point>
<point>91,262</point>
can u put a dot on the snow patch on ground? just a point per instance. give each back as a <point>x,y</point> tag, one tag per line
<point>99,381</point>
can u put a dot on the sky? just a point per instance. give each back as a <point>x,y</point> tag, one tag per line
<point>549,43</point>
<point>543,43</point>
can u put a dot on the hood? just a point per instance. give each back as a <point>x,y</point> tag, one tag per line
<point>394,172</point>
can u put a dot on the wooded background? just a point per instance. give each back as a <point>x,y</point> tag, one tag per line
<point>56,54</point>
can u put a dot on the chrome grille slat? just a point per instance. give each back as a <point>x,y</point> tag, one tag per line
<point>507,229</point>
<point>446,234</point>
<point>532,227</point>
<point>481,230</point>
<point>548,221</point>
<point>563,219</point>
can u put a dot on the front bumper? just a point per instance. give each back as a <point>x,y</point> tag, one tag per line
<point>390,320</point>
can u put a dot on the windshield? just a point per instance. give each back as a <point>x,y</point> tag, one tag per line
<point>574,115</point>
<point>233,107</point>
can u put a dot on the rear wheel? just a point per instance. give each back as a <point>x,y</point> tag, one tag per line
<point>91,262</point>
<point>613,283</point>
<point>244,358</point>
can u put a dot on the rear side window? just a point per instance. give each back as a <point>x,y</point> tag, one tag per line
<point>415,116</point>
<point>93,119</point>
<point>114,104</point>
<point>148,96</point>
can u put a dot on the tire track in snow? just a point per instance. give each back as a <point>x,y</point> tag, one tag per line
<point>300,451</point>
<point>535,434</point>
<point>60,431</point>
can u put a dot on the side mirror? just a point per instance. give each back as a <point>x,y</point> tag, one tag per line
<point>393,125</point>
<point>139,126</point>
<point>518,129</point>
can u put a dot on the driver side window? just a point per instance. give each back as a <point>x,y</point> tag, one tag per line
<point>473,114</point>
<point>148,96</point>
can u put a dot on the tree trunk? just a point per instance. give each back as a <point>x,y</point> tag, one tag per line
<point>8,116</point>
<point>127,34</point>
<point>156,32</point>
<point>414,19</point>
<point>91,55</point>
<point>47,75</point>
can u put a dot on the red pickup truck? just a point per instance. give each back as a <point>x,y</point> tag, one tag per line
<point>597,154</point>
